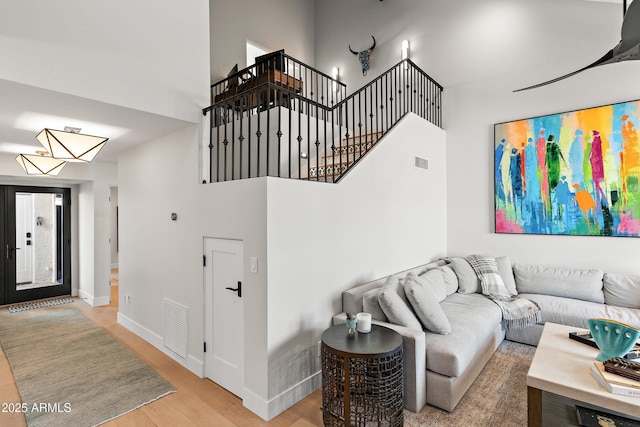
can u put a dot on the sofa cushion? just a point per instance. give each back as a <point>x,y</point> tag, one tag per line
<point>473,319</point>
<point>573,312</point>
<point>450,278</point>
<point>504,267</point>
<point>622,290</point>
<point>558,281</point>
<point>370,304</point>
<point>432,279</point>
<point>395,305</point>
<point>468,282</point>
<point>426,305</point>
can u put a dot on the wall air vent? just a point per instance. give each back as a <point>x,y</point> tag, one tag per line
<point>176,327</point>
<point>422,163</point>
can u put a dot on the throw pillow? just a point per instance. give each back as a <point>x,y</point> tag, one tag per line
<point>370,304</point>
<point>395,305</point>
<point>435,281</point>
<point>622,290</point>
<point>504,267</point>
<point>486,268</point>
<point>468,282</point>
<point>450,279</point>
<point>426,307</point>
<point>584,284</point>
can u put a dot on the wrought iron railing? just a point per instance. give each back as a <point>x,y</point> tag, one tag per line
<point>278,127</point>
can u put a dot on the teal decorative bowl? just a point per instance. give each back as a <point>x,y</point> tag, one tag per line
<point>614,338</point>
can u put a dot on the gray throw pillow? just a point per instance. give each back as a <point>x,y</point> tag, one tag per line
<point>622,290</point>
<point>584,284</point>
<point>395,305</point>
<point>468,282</point>
<point>370,304</point>
<point>426,307</point>
<point>434,280</point>
<point>450,279</point>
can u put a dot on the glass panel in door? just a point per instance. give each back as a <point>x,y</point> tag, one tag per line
<point>36,235</point>
<point>38,240</point>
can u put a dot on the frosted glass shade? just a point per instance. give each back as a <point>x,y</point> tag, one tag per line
<point>71,146</point>
<point>40,165</point>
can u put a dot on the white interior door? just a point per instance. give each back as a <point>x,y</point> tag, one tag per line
<point>24,225</point>
<point>224,314</point>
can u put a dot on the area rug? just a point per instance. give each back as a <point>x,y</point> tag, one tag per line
<point>69,372</point>
<point>32,305</point>
<point>498,397</point>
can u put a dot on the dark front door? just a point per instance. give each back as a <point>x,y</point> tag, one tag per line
<point>35,231</point>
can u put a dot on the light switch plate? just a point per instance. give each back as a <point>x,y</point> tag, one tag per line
<point>254,265</point>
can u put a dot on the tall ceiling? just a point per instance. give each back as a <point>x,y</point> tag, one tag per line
<point>24,109</point>
<point>130,71</point>
<point>472,37</point>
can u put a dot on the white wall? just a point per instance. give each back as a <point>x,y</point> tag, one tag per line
<point>461,41</point>
<point>274,24</point>
<point>481,51</point>
<point>383,217</point>
<point>305,251</point>
<point>86,49</point>
<point>88,278</point>
<point>160,258</point>
<point>93,244</point>
<point>469,122</point>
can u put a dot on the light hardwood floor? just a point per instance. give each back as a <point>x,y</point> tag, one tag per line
<point>198,402</point>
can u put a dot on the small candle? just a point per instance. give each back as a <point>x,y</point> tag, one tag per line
<point>363,322</point>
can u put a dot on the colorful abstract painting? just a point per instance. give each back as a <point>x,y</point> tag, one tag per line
<point>574,173</point>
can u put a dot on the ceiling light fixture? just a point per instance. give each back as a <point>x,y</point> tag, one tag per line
<point>41,164</point>
<point>69,144</point>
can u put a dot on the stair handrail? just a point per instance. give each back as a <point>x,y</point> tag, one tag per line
<point>344,131</point>
<point>409,62</point>
<point>317,83</point>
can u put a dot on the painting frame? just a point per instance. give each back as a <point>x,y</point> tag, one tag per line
<point>569,173</point>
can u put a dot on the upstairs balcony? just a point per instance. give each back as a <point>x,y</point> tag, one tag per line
<point>283,118</point>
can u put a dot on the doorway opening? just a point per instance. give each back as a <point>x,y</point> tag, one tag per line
<point>35,229</point>
<point>115,248</point>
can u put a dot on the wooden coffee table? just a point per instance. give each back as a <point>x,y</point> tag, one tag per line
<point>561,371</point>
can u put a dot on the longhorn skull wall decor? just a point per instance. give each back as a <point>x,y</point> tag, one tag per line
<point>363,56</point>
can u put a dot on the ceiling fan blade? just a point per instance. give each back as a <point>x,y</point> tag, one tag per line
<point>630,34</point>
<point>604,60</point>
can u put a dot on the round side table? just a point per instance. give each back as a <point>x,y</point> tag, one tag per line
<point>362,382</point>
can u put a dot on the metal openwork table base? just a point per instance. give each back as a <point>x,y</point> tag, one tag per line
<point>362,382</point>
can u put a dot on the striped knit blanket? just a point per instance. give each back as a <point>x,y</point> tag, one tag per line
<point>517,312</point>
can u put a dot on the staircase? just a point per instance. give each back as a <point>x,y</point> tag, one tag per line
<point>342,157</point>
<point>295,122</point>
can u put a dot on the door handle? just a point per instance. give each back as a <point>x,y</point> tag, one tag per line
<point>238,289</point>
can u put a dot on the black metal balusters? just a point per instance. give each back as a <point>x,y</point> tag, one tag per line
<point>290,90</point>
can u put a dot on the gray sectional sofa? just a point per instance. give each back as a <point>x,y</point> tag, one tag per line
<point>450,330</point>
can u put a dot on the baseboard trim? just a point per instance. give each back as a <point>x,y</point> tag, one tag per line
<point>268,409</point>
<point>191,363</point>
<point>93,301</point>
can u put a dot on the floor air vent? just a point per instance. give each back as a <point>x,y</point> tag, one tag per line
<point>176,330</point>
